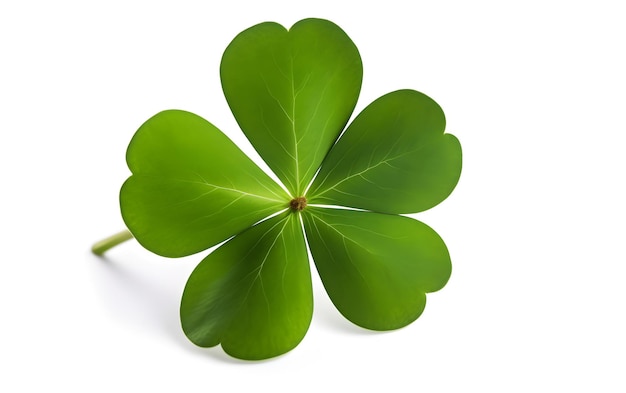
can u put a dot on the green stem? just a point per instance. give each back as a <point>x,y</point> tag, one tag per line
<point>103,245</point>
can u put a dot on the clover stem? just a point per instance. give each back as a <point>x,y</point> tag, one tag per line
<point>103,245</point>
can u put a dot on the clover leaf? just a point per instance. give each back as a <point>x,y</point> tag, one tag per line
<point>292,93</point>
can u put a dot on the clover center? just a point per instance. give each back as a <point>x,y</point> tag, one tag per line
<point>298,204</point>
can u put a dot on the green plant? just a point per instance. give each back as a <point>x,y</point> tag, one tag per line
<point>292,93</point>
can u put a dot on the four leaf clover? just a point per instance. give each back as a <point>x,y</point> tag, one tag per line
<point>292,93</point>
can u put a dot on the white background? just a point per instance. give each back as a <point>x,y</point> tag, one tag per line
<point>534,90</point>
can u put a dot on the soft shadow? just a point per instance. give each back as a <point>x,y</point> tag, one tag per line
<point>135,297</point>
<point>138,296</point>
<point>326,315</point>
<point>219,354</point>
<point>147,301</point>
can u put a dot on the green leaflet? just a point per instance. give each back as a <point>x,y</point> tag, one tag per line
<point>253,294</point>
<point>292,93</point>
<point>376,268</point>
<point>394,158</point>
<point>191,187</point>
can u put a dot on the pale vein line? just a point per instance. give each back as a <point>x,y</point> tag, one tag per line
<point>259,269</point>
<point>276,99</point>
<point>269,132</point>
<point>244,193</point>
<point>293,128</point>
<point>353,145</point>
<point>282,281</point>
<point>232,275</point>
<point>266,187</point>
<point>219,210</point>
<point>332,256</point>
<point>318,140</point>
<point>385,161</point>
<point>280,71</point>
<point>306,81</point>
<point>343,157</point>
<point>369,230</point>
<point>342,235</point>
<point>350,177</point>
